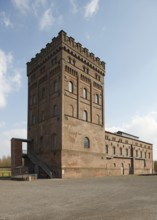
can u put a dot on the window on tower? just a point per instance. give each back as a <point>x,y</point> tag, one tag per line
<point>55,86</point>
<point>85,93</point>
<point>86,142</point>
<point>70,87</point>
<point>54,140</point>
<point>121,151</point>
<point>33,119</point>
<point>97,99</point>
<point>55,110</point>
<point>114,150</point>
<point>85,116</point>
<point>106,149</point>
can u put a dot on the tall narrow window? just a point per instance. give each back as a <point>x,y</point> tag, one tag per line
<point>86,142</point>
<point>98,119</point>
<point>72,110</point>
<point>85,93</point>
<point>54,140</point>
<point>106,149</point>
<point>85,116</point>
<point>41,144</point>
<point>54,110</point>
<point>70,87</point>
<point>42,116</point>
<point>97,99</point>
<point>114,150</point>
<point>55,86</point>
<point>149,155</point>
<point>127,152</point>
<point>34,100</point>
<point>43,93</point>
<point>33,119</point>
<point>121,151</point>
<point>141,154</point>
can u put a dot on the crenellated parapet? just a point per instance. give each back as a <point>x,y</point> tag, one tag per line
<point>81,52</point>
<point>68,44</point>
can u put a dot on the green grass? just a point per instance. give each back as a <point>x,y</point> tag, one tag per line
<point>5,173</point>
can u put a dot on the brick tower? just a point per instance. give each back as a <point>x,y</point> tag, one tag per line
<point>65,109</point>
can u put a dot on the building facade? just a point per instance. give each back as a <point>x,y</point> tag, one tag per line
<point>66,117</point>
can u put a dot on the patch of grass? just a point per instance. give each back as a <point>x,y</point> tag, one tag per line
<point>5,173</point>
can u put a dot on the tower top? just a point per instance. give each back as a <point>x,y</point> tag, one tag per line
<point>67,43</point>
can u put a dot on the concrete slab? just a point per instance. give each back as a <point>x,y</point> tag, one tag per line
<point>109,198</point>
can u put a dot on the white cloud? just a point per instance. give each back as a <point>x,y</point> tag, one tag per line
<point>4,19</point>
<point>5,137</point>
<point>16,79</point>
<point>91,8</point>
<point>28,6</point>
<point>2,124</point>
<point>8,82</point>
<point>143,126</point>
<point>22,5</point>
<point>74,6</point>
<point>42,10</point>
<point>37,6</point>
<point>47,20</point>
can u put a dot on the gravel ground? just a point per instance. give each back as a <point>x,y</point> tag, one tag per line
<point>109,198</point>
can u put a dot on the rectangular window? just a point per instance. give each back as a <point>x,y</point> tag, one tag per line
<point>114,150</point>
<point>141,154</point>
<point>42,115</point>
<point>113,139</point>
<point>106,137</point>
<point>149,155</point>
<point>34,99</point>
<point>126,152</point>
<point>107,149</point>
<point>43,93</point>
<point>121,152</point>
<point>33,119</point>
<point>54,110</point>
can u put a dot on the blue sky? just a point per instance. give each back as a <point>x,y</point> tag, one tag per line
<point>123,33</point>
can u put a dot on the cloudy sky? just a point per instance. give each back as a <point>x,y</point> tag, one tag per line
<point>123,33</point>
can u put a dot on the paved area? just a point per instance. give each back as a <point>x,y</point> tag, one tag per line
<point>109,198</point>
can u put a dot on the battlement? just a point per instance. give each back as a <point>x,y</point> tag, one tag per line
<point>67,43</point>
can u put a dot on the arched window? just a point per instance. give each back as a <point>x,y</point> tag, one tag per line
<point>86,142</point>
<point>85,93</point>
<point>97,99</point>
<point>85,116</point>
<point>70,87</point>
